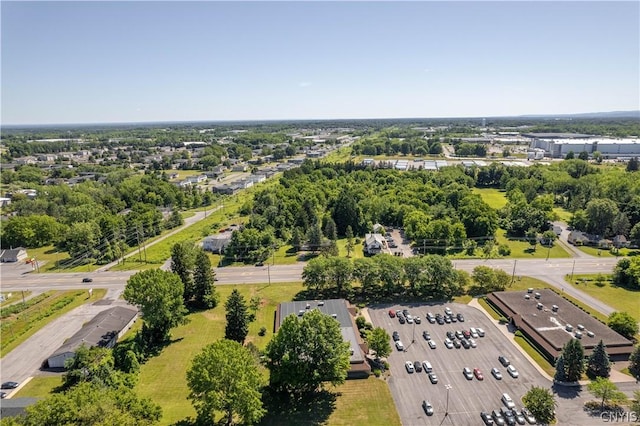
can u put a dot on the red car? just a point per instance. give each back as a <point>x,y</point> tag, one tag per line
<point>478,374</point>
<point>392,313</point>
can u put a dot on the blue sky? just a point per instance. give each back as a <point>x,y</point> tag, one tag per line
<point>93,62</point>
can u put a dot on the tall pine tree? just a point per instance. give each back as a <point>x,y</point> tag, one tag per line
<point>237,317</point>
<point>203,282</point>
<point>182,262</point>
<point>560,375</point>
<point>598,364</point>
<point>573,354</point>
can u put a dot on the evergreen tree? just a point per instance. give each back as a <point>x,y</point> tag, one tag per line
<point>634,362</point>
<point>182,262</point>
<point>560,375</point>
<point>237,317</point>
<point>632,165</point>
<point>314,236</point>
<point>350,245</point>
<point>330,230</point>
<point>297,238</point>
<point>204,282</point>
<point>573,354</point>
<point>598,364</point>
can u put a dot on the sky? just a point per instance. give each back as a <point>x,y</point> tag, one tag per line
<point>103,62</point>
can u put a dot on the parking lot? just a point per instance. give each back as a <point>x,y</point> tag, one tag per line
<point>466,398</point>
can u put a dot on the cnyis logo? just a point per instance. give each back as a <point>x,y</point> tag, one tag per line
<point>619,417</point>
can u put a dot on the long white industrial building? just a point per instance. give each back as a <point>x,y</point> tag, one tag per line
<point>609,148</point>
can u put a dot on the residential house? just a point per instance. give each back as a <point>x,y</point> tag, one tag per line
<point>374,244</point>
<point>217,243</point>
<point>579,238</point>
<point>620,241</point>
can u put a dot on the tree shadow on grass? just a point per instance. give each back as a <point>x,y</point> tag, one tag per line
<point>310,410</point>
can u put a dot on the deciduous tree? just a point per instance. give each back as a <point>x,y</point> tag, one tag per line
<point>623,323</point>
<point>307,352</point>
<point>378,341</point>
<point>159,295</point>
<point>604,388</point>
<point>634,362</point>
<point>541,403</point>
<point>183,257</point>
<point>225,377</point>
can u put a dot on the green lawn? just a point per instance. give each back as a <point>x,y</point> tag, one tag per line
<point>15,296</point>
<point>364,402</point>
<point>163,378</point>
<point>619,298</point>
<point>493,197</point>
<point>594,251</point>
<point>562,214</point>
<point>19,327</point>
<point>338,156</point>
<point>40,387</point>
<point>537,356</point>
<point>522,249</point>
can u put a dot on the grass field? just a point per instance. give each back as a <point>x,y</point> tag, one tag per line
<point>163,378</point>
<point>493,197</point>
<point>522,249</point>
<point>594,251</point>
<point>535,355</point>
<point>15,296</point>
<point>19,327</point>
<point>562,214</point>
<point>338,156</point>
<point>40,387</point>
<point>619,298</point>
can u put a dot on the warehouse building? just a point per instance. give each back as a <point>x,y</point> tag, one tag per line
<point>609,148</point>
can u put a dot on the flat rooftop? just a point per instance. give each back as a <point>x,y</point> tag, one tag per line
<point>549,327</point>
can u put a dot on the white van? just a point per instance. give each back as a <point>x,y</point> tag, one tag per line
<point>427,366</point>
<point>506,400</point>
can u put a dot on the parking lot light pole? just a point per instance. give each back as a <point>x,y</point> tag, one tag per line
<point>413,339</point>
<point>448,387</point>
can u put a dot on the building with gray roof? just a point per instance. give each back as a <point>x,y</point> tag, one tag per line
<point>103,330</point>
<point>344,313</point>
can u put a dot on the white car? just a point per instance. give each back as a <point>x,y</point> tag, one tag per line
<point>409,366</point>
<point>432,344</point>
<point>399,345</point>
<point>480,332</point>
<point>508,402</point>
<point>512,371</point>
<point>448,343</point>
<point>473,343</point>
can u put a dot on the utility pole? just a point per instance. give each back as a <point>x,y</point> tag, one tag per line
<point>448,387</point>
<point>513,274</point>
<point>572,268</point>
<point>269,272</point>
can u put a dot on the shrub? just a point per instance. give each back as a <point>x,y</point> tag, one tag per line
<point>377,372</point>
<point>503,320</point>
<point>518,333</point>
<point>504,250</point>
<point>263,331</point>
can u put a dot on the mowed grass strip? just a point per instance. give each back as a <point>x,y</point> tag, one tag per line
<point>40,387</point>
<point>522,249</point>
<point>619,298</point>
<point>364,402</point>
<point>18,328</point>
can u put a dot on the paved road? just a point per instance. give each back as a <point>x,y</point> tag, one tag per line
<point>26,359</point>
<point>552,271</point>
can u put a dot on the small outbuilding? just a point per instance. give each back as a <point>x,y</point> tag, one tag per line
<point>13,255</point>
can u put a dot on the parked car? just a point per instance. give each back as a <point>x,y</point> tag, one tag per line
<point>497,417</point>
<point>433,378</point>
<point>448,343</point>
<point>460,317</point>
<point>496,373</point>
<point>427,407</point>
<point>401,319</point>
<point>509,418</point>
<point>447,319</point>
<point>396,336</point>
<point>440,320</point>
<point>409,319</point>
<point>459,334</point>
<point>392,313</point>
<point>3,395</point>
<point>507,401</point>
<point>456,343</point>
<point>431,318</point>
<point>466,334</point>
<point>474,334</point>
<point>478,374</point>
<point>473,343</point>
<point>9,385</point>
<point>467,373</point>
<point>480,332</point>
<point>418,366</point>
<point>427,366</point>
<point>409,366</point>
<point>417,320</point>
<point>512,371</point>
<point>520,419</point>
<point>453,318</point>
<point>399,345</point>
<point>528,416</point>
<point>503,360</point>
<point>465,343</point>
<point>426,335</point>
<point>448,311</point>
<point>450,334</point>
<point>486,418</point>
<point>432,344</point>
<point>405,312</point>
